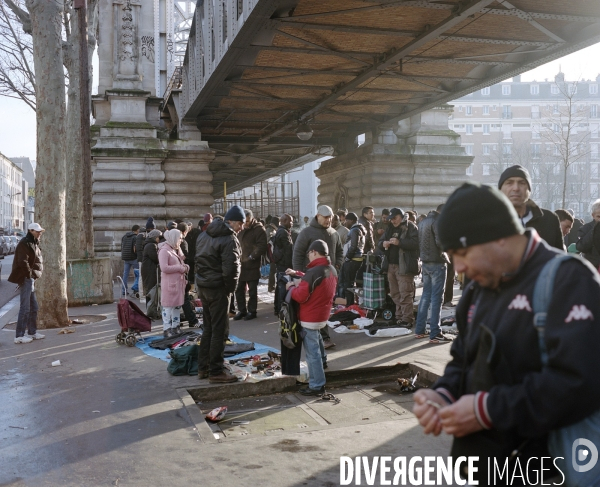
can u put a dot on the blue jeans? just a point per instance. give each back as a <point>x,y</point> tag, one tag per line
<point>136,282</point>
<point>434,281</point>
<point>28,311</point>
<point>315,358</point>
<point>129,264</point>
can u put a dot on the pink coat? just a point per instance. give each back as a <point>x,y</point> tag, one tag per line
<point>172,274</point>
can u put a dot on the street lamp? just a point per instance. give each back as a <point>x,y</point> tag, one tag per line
<point>11,211</point>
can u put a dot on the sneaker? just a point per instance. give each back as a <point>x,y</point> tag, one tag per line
<point>223,378</point>
<point>440,339</point>
<point>167,333</point>
<point>249,316</point>
<point>23,340</point>
<point>176,330</point>
<point>37,336</point>
<point>328,343</point>
<point>307,391</point>
<point>240,315</point>
<point>448,305</point>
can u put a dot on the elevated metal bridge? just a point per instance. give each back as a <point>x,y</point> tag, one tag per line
<point>256,71</point>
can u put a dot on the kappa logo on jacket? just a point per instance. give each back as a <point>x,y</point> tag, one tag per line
<point>520,302</point>
<point>579,313</point>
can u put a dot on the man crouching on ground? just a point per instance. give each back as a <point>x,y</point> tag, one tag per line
<point>314,293</point>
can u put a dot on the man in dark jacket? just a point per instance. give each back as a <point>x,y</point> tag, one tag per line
<point>401,243</point>
<point>381,226</point>
<point>129,255</point>
<point>253,241</point>
<point>588,242</point>
<point>283,250</point>
<point>217,273</point>
<point>495,396</point>
<point>515,183</point>
<point>314,293</point>
<point>434,262</point>
<point>150,261</point>
<point>319,229</point>
<point>27,267</point>
<point>367,220</point>
<point>190,260</point>
<point>353,257</point>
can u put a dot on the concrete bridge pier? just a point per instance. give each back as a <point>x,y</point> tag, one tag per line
<point>414,165</point>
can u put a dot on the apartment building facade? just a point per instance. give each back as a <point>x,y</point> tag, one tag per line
<point>12,189</point>
<point>550,127</point>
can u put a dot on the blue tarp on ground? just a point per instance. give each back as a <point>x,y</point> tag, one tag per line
<point>145,347</point>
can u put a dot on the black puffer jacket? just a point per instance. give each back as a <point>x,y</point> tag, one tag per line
<point>218,257</point>
<point>149,263</point>
<point>430,247</point>
<point>547,224</point>
<point>28,262</point>
<point>408,260</point>
<point>369,240</point>
<point>283,241</point>
<point>587,244</point>
<point>355,241</point>
<point>127,246</point>
<point>139,245</point>
<point>253,242</point>
<point>191,238</point>
<point>308,235</point>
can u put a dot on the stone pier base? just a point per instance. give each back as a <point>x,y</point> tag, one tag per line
<point>415,167</point>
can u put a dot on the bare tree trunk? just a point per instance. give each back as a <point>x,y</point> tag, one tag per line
<point>46,26</point>
<point>564,189</point>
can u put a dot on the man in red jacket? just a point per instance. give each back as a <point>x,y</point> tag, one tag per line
<point>314,293</point>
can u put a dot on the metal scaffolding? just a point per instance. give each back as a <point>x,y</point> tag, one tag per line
<point>267,199</point>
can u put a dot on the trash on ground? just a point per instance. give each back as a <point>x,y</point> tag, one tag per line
<point>95,411</point>
<point>56,363</point>
<point>217,414</point>
<point>66,331</point>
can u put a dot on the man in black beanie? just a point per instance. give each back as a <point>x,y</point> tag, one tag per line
<point>515,183</point>
<point>495,396</point>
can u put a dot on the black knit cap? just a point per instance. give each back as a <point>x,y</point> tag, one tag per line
<point>352,216</point>
<point>475,214</point>
<point>516,171</point>
<point>319,246</point>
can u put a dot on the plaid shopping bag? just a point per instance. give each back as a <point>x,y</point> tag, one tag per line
<point>373,290</point>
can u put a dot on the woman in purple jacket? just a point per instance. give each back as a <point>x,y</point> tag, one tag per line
<point>173,272</point>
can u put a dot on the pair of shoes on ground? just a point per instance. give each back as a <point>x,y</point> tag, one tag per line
<point>404,324</point>
<point>307,391</point>
<point>171,332</point>
<point>245,316</point>
<point>436,340</point>
<point>29,338</point>
<point>327,343</point>
<point>223,378</point>
<point>448,305</point>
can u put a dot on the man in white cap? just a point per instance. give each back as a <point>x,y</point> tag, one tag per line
<point>319,228</point>
<point>27,267</point>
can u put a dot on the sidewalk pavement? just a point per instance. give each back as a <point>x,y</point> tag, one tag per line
<point>110,415</point>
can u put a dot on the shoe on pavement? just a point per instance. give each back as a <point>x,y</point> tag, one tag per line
<point>203,374</point>
<point>328,343</point>
<point>404,324</point>
<point>440,339</point>
<point>240,315</point>
<point>307,391</point>
<point>167,333</point>
<point>23,339</point>
<point>249,316</point>
<point>37,336</point>
<point>223,378</point>
<point>448,305</point>
<point>176,330</point>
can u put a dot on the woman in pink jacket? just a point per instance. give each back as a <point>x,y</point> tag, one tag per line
<point>173,273</point>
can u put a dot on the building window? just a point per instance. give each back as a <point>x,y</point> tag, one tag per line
<point>506,112</point>
<point>469,149</point>
<point>460,108</point>
<point>486,149</point>
<point>469,110</point>
<point>485,91</point>
<point>556,169</point>
<point>593,191</point>
<point>554,89</point>
<point>494,107</point>
<point>594,130</point>
<point>506,149</point>
<point>534,89</point>
<point>536,150</point>
<point>470,170</point>
<point>535,111</point>
<point>556,150</point>
<point>594,111</point>
<point>535,131</point>
<point>572,88</point>
<point>486,169</point>
<point>555,128</point>
<point>593,89</point>
<point>486,109</point>
<point>486,129</point>
<point>594,170</point>
<point>594,151</point>
<point>555,109</point>
<point>469,129</point>
<point>506,89</point>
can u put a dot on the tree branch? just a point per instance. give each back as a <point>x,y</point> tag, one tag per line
<point>22,15</point>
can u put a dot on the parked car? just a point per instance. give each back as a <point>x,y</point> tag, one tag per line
<point>11,244</point>
<point>4,246</point>
<point>15,241</point>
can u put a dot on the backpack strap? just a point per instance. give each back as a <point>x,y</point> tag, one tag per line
<point>542,296</point>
